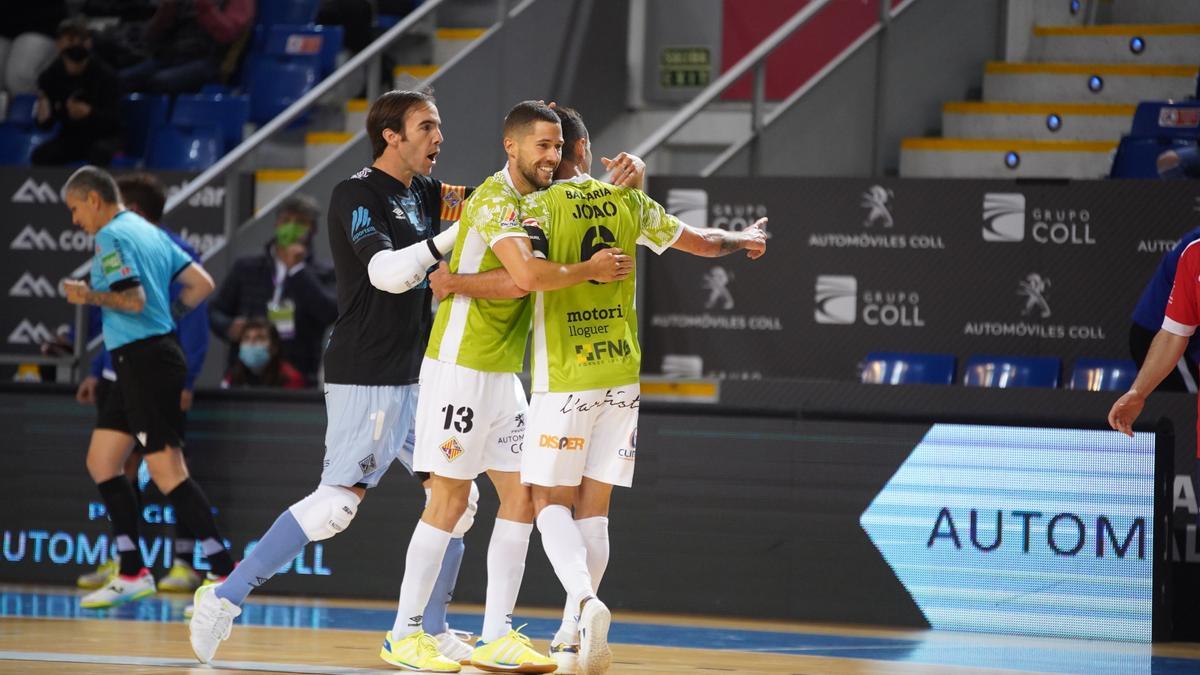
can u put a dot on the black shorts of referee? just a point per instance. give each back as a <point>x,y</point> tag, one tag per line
<point>144,401</point>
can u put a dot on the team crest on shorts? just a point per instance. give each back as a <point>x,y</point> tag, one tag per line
<point>367,464</point>
<point>452,450</point>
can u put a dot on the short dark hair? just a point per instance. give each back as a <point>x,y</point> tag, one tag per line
<point>573,130</point>
<point>93,179</point>
<point>75,26</point>
<point>389,112</point>
<point>303,206</point>
<point>522,117</point>
<point>144,191</point>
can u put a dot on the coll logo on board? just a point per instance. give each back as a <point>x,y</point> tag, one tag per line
<point>35,192</point>
<point>836,299</point>
<point>691,205</point>
<point>1004,216</point>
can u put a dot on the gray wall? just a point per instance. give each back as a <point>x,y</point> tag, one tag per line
<point>933,52</point>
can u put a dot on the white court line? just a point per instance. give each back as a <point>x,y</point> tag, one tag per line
<point>256,666</point>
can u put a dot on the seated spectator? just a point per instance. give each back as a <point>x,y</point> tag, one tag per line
<point>259,363</point>
<point>189,42</point>
<point>285,284</point>
<point>27,44</point>
<point>1180,163</point>
<point>78,93</point>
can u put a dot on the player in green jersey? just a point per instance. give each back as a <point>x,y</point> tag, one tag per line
<point>581,437</point>
<point>471,411</point>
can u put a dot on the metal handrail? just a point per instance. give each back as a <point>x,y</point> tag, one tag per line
<point>797,95</point>
<point>752,60</point>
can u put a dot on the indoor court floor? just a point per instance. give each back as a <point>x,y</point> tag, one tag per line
<point>43,630</point>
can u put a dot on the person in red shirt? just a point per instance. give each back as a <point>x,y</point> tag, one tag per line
<point>1179,324</point>
<point>259,363</point>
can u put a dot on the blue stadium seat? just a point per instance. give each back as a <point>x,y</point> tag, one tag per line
<point>270,12</point>
<point>192,149</point>
<point>1102,374</point>
<point>1167,119</point>
<point>1004,372</point>
<point>276,83</point>
<point>908,368</point>
<point>228,113</point>
<point>140,115</point>
<point>17,143</point>
<point>333,37</point>
<point>1137,156</point>
<point>22,110</point>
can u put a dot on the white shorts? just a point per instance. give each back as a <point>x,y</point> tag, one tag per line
<point>468,421</point>
<point>589,433</point>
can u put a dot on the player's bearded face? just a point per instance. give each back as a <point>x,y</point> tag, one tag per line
<point>539,153</point>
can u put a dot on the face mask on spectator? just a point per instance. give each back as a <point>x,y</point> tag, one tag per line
<point>290,233</point>
<point>254,356</point>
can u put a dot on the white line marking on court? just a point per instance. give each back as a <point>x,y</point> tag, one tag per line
<point>256,666</point>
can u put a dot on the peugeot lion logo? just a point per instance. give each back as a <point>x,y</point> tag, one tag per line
<point>875,200</point>
<point>716,282</point>
<point>1033,289</point>
<point>1003,216</point>
<point>836,299</point>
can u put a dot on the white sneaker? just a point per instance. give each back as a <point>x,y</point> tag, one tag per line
<point>212,620</point>
<point>594,654</point>
<point>119,590</point>
<point>452,647</point>
<point>566,656</point>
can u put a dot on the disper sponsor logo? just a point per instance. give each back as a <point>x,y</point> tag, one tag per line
<point>35,192</point>
<point>30,286</point>
<point>561,442</point>
<point>38,239</point>
<point>836,299</point>
<point>30,333</point>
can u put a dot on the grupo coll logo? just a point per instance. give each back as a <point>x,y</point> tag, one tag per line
<point>692,207</point>
<point>839,300</point>
<point>836,299</point>
<point>1006,216</point>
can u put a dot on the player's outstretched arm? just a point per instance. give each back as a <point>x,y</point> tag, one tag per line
<point>714,242</point>
<point>1165,351</point>
<point>494,284</point>
<point>531,273</point>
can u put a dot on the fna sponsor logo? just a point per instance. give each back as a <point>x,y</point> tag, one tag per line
<point>1007,219</point>
<point>34,286</point>
<point>692,207</point>
<point>876,231</point>
<point>838,300</point>
<point>1034,308</point>
<point>716,287</point>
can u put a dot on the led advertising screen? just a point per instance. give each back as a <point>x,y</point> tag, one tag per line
<point>1023,530</point>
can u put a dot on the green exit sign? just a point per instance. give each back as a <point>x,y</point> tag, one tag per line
<point>684,67</point>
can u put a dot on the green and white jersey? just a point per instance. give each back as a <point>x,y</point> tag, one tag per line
<point>487,335</point>
<point>585,336</point>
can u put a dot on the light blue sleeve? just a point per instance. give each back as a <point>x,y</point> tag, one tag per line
<point>179,257</point>
<point>115,266</point>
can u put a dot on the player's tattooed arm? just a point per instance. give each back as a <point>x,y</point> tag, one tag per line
<point>131,299</point>
<point>714,242</point>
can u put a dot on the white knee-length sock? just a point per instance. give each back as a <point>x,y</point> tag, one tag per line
<point>566,551</point>
<point>506,568</point>
<point>421,566</point>
<point>595,538</point>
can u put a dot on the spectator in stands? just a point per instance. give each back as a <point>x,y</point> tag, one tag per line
<point>1180,163</point>
<point>1148,319</point>
<point>78,93</point>
<point>27,44</point>
<point>354,16</point>
<point>284,284</point>
<point>259,361</point>
<point>190,44</point>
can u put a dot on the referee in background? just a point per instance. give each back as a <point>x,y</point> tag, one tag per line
<point>132,270</point>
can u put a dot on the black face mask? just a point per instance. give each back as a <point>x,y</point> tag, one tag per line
<point>77,53</point>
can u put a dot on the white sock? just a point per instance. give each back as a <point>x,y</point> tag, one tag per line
<point>565,549</point>
<point>505,569</point>
<point>595,538</point>
<point>421,566</point>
